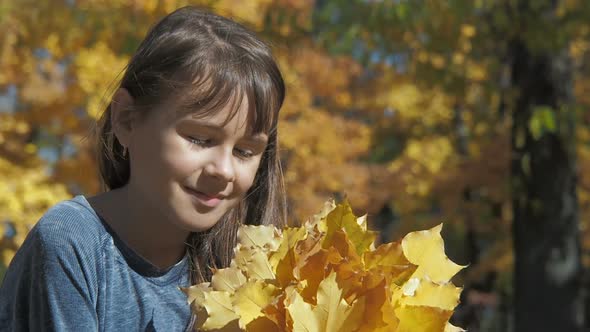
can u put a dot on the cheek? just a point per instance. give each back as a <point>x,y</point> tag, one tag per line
<point>179,163</point>
<point>247,176</point>
<point>178,158</point>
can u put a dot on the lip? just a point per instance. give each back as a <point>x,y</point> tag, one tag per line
<point>203,198</point>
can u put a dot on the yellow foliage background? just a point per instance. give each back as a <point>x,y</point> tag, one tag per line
<point>382,140</point>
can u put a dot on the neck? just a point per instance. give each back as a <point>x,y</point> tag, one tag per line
<point>144,229</point>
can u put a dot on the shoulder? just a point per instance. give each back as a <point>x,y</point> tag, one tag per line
<point>70,220</point>
<point>68,227</point>
<point>55,275</point>
<point>66,241</point>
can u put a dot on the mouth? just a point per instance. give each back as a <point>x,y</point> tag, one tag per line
<point>209,200</point>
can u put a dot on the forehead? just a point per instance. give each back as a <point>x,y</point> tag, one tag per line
<point>218,97</point>
<point>236,115</point>
<point>232,112</point>
<point>224,106</point>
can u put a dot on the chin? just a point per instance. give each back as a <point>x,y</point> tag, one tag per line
<point>201,228</point>
<point>197,222</point>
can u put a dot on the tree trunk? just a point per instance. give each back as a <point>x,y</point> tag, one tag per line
<point>547,248</point>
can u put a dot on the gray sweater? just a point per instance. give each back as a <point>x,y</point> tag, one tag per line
<point>73,273</point>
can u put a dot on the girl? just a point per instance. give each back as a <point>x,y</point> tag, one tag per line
<point>187,150</point>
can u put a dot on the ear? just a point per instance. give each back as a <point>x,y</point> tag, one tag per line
<point>122,116</point>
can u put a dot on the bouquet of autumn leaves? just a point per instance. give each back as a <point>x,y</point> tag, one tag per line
<point>327,276</point>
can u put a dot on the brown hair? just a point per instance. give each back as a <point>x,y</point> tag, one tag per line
<point>204,62</point>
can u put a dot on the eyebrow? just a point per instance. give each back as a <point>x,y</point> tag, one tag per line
<point>257,138</point>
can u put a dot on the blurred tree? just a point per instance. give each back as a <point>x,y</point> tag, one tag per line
<point>544,197</point>
<point>63,58</point>
<point>418,110</point>
<point>503,70</point>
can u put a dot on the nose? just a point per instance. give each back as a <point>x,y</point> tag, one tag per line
<point>221,166</point>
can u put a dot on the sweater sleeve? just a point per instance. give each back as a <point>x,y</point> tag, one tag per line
<point>51,284</point>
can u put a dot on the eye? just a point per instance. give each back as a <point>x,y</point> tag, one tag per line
<point>243,153</point>
<point>199,141</point>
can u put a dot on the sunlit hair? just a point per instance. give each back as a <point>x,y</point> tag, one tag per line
<point>203,62</point>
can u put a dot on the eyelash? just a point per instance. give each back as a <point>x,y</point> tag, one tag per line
<point>198,141</point>
<point>242,154</point>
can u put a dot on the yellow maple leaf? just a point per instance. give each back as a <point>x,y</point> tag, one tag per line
<point>253,262</point>
<point>362,221</point>
<point>301,314</point>
<point>319,218</point>
<point>331,314</point>
<point>344,260</point>
<point>251,299</point>
<point>313,270</point>
<point>258,236</point>
<point>342,218</point>
<point>326,276</point>
<point>452,328</point>
<point>228,279</point>
<point>427,250</point>
<point>388,259</point>
<point>427,293</point>
<point>331,310</point>
<point>422,318</point>
<point>276,310</point>
<point>313,265</point>
<point>196,297</point>
<point>220,310</point>
<point>378,313</point>
<point>283,261</point>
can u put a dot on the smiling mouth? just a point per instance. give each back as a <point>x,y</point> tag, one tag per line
<point>204,199</point>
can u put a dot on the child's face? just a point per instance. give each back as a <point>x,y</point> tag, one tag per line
<point>193,170</point>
